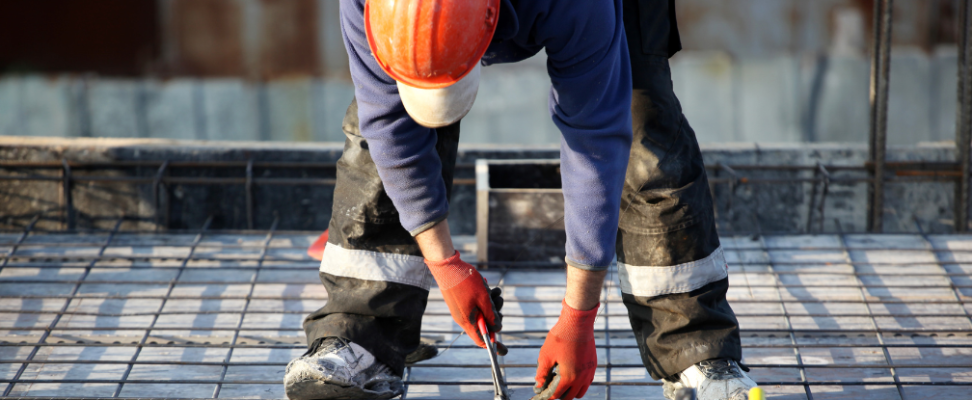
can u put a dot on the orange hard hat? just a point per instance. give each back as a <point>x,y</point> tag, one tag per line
<point>429,44</point>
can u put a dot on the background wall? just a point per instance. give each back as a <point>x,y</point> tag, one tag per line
<point>762,71</point>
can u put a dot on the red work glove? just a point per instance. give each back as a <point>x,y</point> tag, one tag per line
<point>570,349</point>
<point>466,294</point>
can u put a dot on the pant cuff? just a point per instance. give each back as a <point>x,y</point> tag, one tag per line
<point>691,354</point>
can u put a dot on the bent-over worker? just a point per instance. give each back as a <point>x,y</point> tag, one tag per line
<point>633,181</point>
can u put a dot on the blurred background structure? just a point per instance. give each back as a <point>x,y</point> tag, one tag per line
<point>767,71</point>
<point>190,92</point>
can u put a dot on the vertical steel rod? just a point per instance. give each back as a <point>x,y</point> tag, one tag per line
<point>880,77</point>
<point>68,201</point>
<point>813,200</point>
<point>822,205</point>
<point>156,195</point>
<point>963,120</point>
<point>249,194</point>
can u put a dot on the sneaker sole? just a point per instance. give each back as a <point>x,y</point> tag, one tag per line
<point>316,390</point>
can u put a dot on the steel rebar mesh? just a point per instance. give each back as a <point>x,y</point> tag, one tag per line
<point>215,314</point>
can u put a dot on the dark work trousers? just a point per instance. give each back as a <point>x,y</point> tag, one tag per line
<point>671,267</point>
<point>672,271</point>
<point>376,278</point>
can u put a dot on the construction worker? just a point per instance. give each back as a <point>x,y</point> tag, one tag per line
<point>633,181</point>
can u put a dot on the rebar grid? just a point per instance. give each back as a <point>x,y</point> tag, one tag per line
<point>155,175</point>
<point>912,304</point>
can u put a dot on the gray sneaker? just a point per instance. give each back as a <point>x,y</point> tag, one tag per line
<point>712,380</point>
<point>334,368</point>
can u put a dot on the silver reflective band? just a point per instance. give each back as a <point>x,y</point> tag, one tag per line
<point>374,266</point>
<point>648,281</point>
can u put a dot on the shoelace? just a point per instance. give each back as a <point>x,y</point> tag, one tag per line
<point>313,347</point>
<point>719,369</point>
<point>316,346</point>
<point>357,358</point>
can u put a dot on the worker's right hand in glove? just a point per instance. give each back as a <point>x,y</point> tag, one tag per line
<point>468,296</point>
<point>568,357</point>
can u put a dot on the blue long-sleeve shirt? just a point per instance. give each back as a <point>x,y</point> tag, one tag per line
<point>590,102</point>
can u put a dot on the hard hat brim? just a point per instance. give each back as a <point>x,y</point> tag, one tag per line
<point>435,108</point>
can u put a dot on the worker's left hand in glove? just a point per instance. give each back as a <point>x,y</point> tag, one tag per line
<point>468,296</point>
<point>568,357</point>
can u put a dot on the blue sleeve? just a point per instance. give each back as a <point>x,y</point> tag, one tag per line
<point>403,151</point>
<point>590,101</point>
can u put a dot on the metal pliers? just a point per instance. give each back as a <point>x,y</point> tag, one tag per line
<point>499,385</point>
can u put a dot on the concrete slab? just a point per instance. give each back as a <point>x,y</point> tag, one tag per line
<point>910,97</point>
<point>312,290</point>
<point>770,98</point>
<point>253,391</point>
<point>167,390</point>
<point>843,112</point>
<point>170,109</point>
<point>330,100</point>
<point>511,107</point>
<point>289,109</point>
<point>703,82</point>
<point>116,108</point>
<point>944,92</point>
<point>35,105</point>
<point>230,110</point>
<point>811,283</point>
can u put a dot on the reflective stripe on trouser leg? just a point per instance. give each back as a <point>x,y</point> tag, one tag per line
<point>375,276</point>
<point>374,266</point>
<point>672,268</point>
<point>651,281</point>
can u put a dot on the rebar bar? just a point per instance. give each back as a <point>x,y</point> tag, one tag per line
<point>963,120</point>
<point>880,81</point>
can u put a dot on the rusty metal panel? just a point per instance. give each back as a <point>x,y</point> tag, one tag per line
<point>766,27</point>
<point>334,58</point>
<point>289,34</point>
<point>207,37</point>
<point>945,22</point>
<point>743,27</point>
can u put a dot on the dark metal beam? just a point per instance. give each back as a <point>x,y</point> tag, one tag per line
<point>249,194</point>
<point>880,81</point>
<point>69,222</point>
<point>963,120</point>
